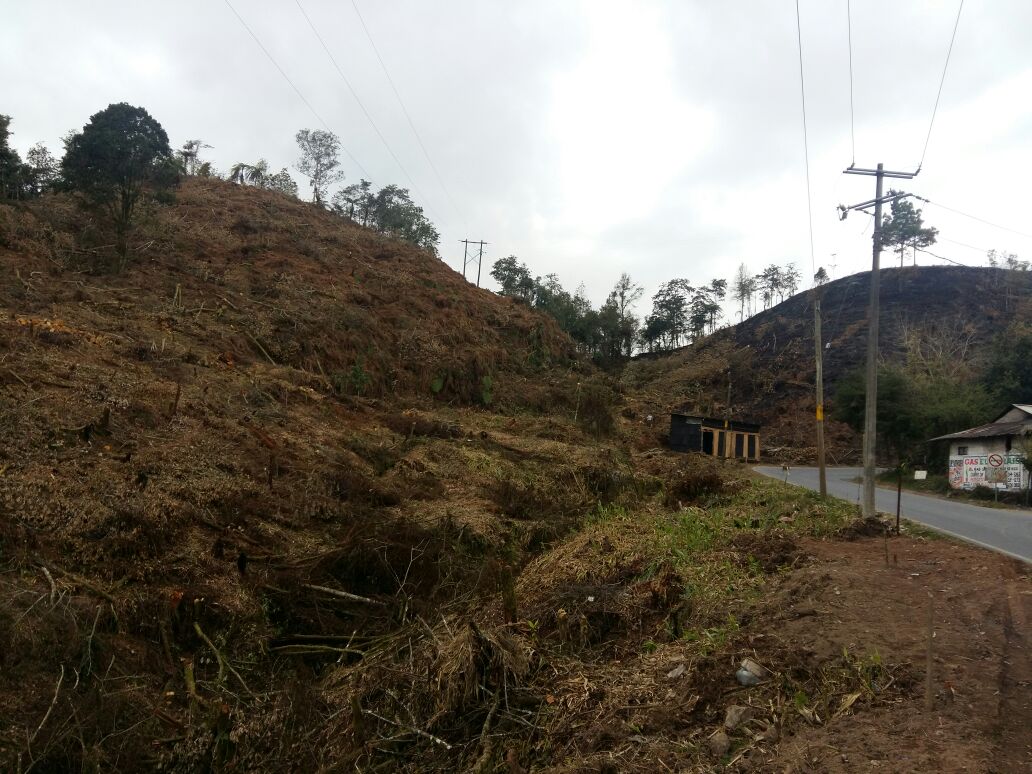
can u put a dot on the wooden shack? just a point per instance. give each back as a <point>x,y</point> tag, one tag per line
<point>730,439</point>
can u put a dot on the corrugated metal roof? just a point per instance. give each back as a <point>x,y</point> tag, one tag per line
<point>997,428</point>
<point>993,429</point>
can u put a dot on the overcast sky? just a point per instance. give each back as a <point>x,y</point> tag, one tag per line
<point>661,138</point>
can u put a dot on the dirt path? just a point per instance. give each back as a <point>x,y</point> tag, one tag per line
<point>981,670</point>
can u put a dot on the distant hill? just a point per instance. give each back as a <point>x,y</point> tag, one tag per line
<point>771,354</point>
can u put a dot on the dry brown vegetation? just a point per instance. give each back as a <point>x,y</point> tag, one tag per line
<point>286,496</point>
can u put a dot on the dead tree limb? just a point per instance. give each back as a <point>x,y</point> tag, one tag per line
<point>53,703</point>
<point>223,662</point>
<point>413,729</point>
<point>343,594</point>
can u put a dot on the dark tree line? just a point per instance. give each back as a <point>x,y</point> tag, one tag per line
<point>607,333</point>
<point>389,211</point>
<point>681,312</point>
<point>946,381</point>
<point>770,287</point>
<point>39,173</point>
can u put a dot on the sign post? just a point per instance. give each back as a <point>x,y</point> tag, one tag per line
<point>996,461</point>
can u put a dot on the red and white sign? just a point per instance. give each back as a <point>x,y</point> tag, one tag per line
<point>995,460</point>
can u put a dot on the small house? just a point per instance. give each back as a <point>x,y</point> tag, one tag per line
<point>717,437</point>
<point>991,455</point>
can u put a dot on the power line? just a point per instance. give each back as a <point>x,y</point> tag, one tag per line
<point>354,94</point>
<point>806,144</point>
<point>404,110</point>
<point>939,237</point>
<point>941,82</point>
<point>974,217</point>
<point>852,123</point>
<point>944,258</point>
<point>295,88</point>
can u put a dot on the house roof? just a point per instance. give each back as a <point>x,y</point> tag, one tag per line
<point>992,430</point>
<point>1020,406</point>
<point>997,428</point>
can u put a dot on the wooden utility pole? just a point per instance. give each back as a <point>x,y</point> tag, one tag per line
<point>819,352</point>
<point>871,403</point>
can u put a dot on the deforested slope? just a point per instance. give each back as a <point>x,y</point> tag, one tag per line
<point>935,311</point>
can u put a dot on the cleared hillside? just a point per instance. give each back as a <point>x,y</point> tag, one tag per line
<point>954,311</point>
<point>289,496</point>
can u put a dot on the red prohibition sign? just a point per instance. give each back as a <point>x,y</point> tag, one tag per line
<point>995,460</point>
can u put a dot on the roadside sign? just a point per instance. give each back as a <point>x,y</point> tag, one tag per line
<point>995,460</point>
<point>920,475</point>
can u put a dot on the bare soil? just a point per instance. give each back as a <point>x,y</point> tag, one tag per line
<point>849,599</point>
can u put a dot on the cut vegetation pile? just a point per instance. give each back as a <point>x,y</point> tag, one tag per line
<point>287,496</point>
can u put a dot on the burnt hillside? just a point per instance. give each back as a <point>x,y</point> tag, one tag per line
<point>950,309</point>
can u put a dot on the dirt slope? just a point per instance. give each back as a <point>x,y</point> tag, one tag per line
<point>771,354</point>
<point>286,496</point>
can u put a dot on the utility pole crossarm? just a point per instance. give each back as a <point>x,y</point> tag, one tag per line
<point>879,172</point>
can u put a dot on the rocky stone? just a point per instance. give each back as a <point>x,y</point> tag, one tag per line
<point>735,715</point>
<point>719,744</point>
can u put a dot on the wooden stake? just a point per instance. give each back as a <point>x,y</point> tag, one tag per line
<point>929,695</point>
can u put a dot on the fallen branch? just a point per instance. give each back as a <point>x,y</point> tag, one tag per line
<point>343,594</point>
<point>311,650</point>
<point>223,662</point>
<point>191,683</point>
<point>259,345</point>
<point>53,703</point>
<point>413,729</point>
<point>53,587</point>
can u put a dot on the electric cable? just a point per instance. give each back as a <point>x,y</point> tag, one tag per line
<point>361,105</point>
<point>942,80</point>
<point>806,143</point>
<point>404,110</point>
<point>973,217</point>
<point>297,91</point>
<point>852,122</point>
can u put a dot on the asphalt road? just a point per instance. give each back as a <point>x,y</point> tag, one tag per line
<point>1005,530</point>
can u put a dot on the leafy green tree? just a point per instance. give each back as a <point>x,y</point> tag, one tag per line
<point>904,229</point>
<point>769,282</point>
<point>250,174</point>
<point>394,214</point>
<point>259,176</point>
<point>667,326</point>
<point>44,169</point>
<point>514,277</point>
<point>119,153</point>
<point>915,403</point>
<point>319,162</point>
<point>899,411</point>
<point>706,307</point>
<point>355,202</point>
<point>13,173</point>
<point>283,182</point>
<point>189,156</point>
<point>790,277</point>
<point>1008,375</point>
